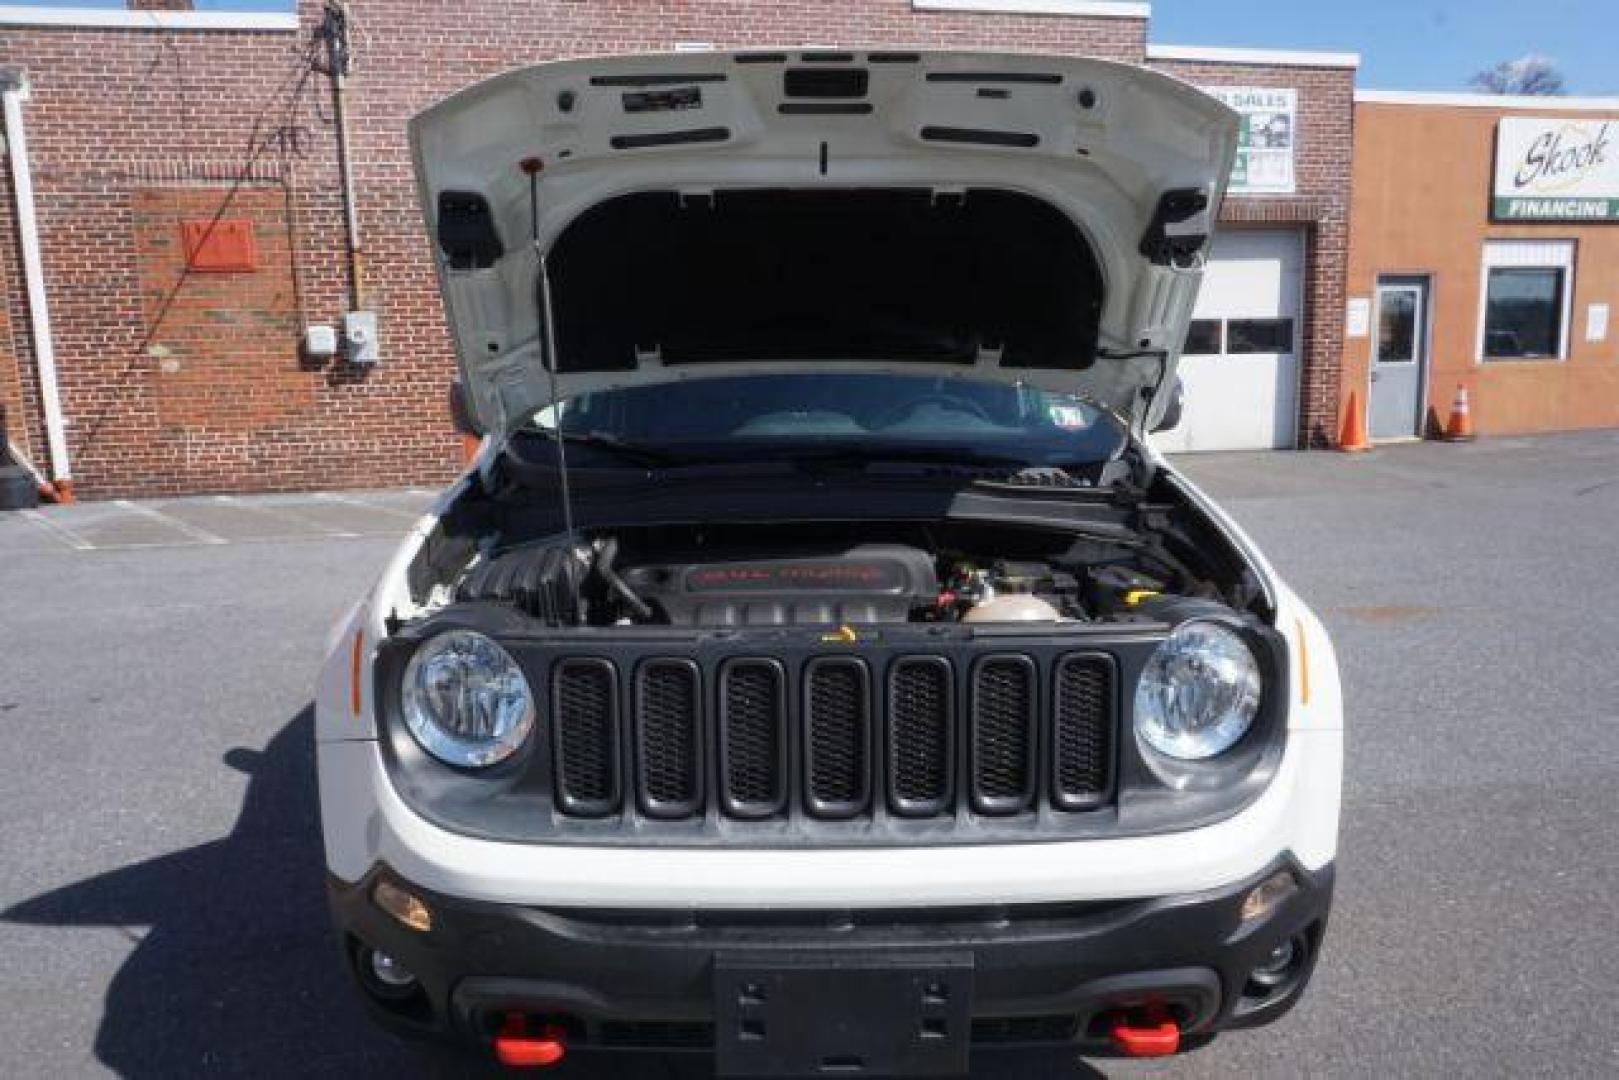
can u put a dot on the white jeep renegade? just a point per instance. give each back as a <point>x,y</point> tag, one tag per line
<point>818,669</point>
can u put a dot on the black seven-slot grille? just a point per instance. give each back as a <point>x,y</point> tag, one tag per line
<point>586,746</point>
<point>753,738</point>
<point>668,739</point>
<point>915,741</point>
<point>1004,714</point>
<point>837,737</point>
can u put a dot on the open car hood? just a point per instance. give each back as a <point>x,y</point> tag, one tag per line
<point>1027,219</point>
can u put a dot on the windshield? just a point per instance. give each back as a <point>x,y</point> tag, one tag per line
<point>866,415</point>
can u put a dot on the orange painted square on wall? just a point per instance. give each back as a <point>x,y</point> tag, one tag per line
<point>220,246</point>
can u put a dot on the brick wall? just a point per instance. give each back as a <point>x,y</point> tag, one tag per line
<point>190,383</point>
<point>221,120</point>
<point>12,409</point>
<point>176,382</point>
<point>1325,150</point>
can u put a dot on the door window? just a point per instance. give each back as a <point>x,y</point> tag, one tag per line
<point>1397,326</point>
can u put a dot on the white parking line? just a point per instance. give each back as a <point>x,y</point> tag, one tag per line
<point>61,532</point>
<point>201,536</point>
<point>283,513</point>
<point>349,500</point>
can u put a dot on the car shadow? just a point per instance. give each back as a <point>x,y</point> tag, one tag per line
<point>238,971</point>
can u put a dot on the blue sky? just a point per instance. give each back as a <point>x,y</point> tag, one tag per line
<point>1412,44</point>
<point>1407,44</point>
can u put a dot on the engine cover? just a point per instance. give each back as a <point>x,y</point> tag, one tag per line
<point>873,583</point>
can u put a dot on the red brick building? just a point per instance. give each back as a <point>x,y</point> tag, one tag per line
<point>182,370</point>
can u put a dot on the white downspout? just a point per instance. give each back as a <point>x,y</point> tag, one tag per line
<point>14,90</point>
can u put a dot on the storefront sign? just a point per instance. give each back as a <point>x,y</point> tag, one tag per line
<point>1557,170</point>
<point>1265,147</point>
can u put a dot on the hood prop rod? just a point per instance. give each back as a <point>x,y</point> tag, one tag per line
<point>548,334</point>
<point>548,341</point>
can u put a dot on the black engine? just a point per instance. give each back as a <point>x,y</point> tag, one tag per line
<point>818,575</point>
<point>872,583</point>
<point>865,584</point>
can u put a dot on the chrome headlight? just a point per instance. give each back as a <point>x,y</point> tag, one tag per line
<point>1199,693</point>
<point>466,700</point>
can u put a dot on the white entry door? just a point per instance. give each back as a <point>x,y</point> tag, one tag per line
<point>1241,365</point>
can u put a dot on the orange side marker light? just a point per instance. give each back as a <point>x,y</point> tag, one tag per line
<point>1304,662</point>
<point>356,661</point>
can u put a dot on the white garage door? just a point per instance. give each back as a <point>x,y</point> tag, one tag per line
<point>1241,366</point>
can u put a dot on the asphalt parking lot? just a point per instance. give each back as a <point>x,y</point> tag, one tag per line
<point>160,905</point>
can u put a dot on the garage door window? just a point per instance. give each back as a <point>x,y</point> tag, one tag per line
<point>1204,339</point>
<point>1249,336</point>
<point>1527,289</point>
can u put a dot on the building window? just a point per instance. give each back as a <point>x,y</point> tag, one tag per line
<point>1248,336</point>
<point>1204,338</point>
<point>1523,317</point>
<point>1528,286</point>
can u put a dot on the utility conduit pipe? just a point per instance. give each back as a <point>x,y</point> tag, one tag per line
<point>14,91</point>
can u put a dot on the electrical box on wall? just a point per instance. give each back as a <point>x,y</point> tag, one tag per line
<point>320,342</point>
<point>360,337</point>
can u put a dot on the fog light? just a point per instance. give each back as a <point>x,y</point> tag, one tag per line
<point>390,972</point>
<point>1268,896</point>
<point>1277,966</point>
<point>404,907</point>
<point>384,978</point>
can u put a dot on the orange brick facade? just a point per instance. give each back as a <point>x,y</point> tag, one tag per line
<point>183,382</point>
<point>1433,223</point>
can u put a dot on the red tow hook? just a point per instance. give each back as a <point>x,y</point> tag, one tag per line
<point>1155,1035</point>
<point>516,1049</point>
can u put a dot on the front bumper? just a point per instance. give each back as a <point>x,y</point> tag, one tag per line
<point>653,980</point>
<point>367,824</point>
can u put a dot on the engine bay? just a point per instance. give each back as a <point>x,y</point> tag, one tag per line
<point>833,574</point>
<point>712,617</point>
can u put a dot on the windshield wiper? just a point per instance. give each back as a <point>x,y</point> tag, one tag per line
<point>601,440</point>
<point>903,455</point>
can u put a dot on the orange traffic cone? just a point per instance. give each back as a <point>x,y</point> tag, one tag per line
<point>1460,427</point>
<point>59,492</point>
<point>1353,440</point>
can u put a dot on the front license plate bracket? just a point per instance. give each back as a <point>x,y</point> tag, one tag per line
<point>843,1015</point>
